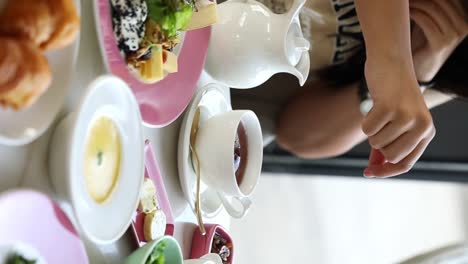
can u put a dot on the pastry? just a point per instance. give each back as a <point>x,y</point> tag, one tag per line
<point>154,226</point>
<point>49,24</point>
<point>21,19</point>
<point>148,197</point>
<point>24,73</point>
<point>67,24</point>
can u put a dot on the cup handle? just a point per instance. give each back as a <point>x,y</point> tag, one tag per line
<point>244,201</point>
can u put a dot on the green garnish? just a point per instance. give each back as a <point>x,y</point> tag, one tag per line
<point>157,256</point>
<point>99,158</point>
<point>171,15</point>
<point>16,258</point>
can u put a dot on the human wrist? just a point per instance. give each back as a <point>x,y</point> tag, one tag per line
<point>388,57</point>
<point>389,67</point>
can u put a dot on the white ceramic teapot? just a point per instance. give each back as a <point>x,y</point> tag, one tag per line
<point>250,43</point>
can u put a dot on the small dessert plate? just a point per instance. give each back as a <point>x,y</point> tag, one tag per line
<point>211,101</point>
<point>34,226</point>
<point>78,168</point>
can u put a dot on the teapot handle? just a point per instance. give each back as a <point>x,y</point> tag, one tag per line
<point>295,9</point>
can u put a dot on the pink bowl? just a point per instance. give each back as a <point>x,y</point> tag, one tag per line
<point>32,218</point>
<point>201,244</point>
<point>162,102</point>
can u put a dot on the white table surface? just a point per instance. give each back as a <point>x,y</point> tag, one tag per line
<point>26,166</point>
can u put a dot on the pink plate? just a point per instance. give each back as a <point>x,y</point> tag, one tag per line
<point>162,102</point>
<point>32,218</point>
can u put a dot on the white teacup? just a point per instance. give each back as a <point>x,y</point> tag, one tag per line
<point>211,258</point>
<point>215,148</point>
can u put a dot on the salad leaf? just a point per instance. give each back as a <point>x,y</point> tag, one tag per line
<point>157,257</point>
<point>18,259</point>
<point>171,15</point>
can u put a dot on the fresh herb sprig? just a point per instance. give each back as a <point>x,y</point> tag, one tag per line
<point>171,15</point>
<point>16,258</point>
<point>157,257</point>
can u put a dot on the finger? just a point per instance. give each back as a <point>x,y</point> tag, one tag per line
<point>426,24</point>
<point>390,170</point>
<point>402,147</point>
<point>405,144</point>
<point>375,120</point>
<point>376,157</point>
<point>455,15</point>
<point>388,134</point>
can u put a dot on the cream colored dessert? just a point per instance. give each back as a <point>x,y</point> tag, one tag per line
<point>102,159</point>
<point>154,225</point>
<point>148,201</point>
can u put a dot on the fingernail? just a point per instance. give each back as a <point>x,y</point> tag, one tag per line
<point>368,173</point>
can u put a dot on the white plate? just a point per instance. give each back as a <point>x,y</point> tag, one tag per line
<point>24,126</point>
<point>104,222</point>
<point>211,101</point>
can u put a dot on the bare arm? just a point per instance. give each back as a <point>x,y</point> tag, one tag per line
<point>386,28</point>
<point>385,25</point>
<point>399,126</point>
<point>321,122</point>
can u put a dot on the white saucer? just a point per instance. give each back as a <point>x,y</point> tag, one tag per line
<point>105,222</point>
<point>211,101</point>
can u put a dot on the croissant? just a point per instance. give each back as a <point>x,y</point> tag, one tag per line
<point>24,73</point>
<point>49,24</point>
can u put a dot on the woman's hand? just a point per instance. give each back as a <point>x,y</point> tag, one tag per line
<point>441,26</point>
<point>399,126</point>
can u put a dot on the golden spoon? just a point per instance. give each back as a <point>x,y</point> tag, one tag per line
<point>193,137</point>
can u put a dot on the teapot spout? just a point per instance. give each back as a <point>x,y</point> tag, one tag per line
<point>297,52</point>
<point>295,8</point>
<point>302,69</point>
<point>301,44</point>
